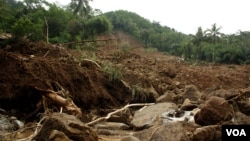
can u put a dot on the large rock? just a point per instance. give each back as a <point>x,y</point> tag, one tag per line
<point>145,118</point>
<point>192,93</point>
<point>240,118</point>
<point>65,127</point>
<point>170,132</point>
<point>217,91</point>
<point>243,101</point>
<point>189,105</point>
<point>215,110</point>
<point>207,133</point>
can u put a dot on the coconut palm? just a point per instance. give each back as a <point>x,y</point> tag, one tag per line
<point>81,7</point>
<point>214,34</point>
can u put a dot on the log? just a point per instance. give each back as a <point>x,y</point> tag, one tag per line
<point>67,103</point>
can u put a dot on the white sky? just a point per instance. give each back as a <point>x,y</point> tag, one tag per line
<point>185,15</point>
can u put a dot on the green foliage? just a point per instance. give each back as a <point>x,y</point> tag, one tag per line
<point>152,34</point>
<point>150,49</point>
<point>25,28</point>
<point>113,72</point>
<point>81,8</point>
<point>30,19</point>
<point>57,20</point>
<point>97,25</point>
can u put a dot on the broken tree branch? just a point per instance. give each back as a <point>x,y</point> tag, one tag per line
<point>67,103</point>
<point>117,111</point>
<point>61,101</point>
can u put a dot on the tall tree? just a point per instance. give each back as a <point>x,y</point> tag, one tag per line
<point>81,7</point>
<point>214,33</point>
<point>197,39</point>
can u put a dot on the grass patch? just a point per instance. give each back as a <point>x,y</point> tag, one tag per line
<point>113,72</point>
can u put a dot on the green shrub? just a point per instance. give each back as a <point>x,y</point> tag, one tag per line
<point>113,72</point>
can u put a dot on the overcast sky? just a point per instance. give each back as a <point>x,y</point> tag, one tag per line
<point>185,15</point>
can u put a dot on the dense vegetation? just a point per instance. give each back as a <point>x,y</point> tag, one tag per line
<point>210,45</point>
<point>37,20</point>
<point>40,20</point>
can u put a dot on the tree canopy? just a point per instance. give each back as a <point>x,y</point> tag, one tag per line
<point>40,20</point>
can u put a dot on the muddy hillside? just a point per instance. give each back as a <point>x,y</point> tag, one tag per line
<point>38,79</point>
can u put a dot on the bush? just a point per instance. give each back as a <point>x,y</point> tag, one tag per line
<point>113,72</point>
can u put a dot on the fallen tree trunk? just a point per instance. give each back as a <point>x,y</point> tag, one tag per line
<point>67,103</point>
<point>63,102</point>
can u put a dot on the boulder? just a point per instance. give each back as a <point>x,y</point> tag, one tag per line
<point>166,97</point>
<point>188,105</point>
<point>170,96</point>
<point>146,117</point>
<point>207,133</point>
<point>170,132</point>
<point>67,127</point>
<point>214,111</point>
<point>227,94</point>
<point>240,118</point>
<point>243,101</point>
<point>191,92</point>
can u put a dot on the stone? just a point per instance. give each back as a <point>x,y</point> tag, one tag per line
<point>227,94</point>
<point>112,125</point>
<point>243,101</point>
<point>188,105</point>
<point>207,133</point>
<point>166,97</point>
<point>240,118</point>
<point>214,111</point>
<point>129,138</point>
<point>170,132</point>
<point>61,125</point>
<point>169,96</point>
<point>145,118</point>
<point>191,92</point>
<point>56,135</point>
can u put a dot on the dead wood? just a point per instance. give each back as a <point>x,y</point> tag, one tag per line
<point>63,102</point>
<point>117,111</point>
<point>88,60</point>
<point>67,103</point>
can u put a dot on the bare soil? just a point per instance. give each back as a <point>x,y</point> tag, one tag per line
<point>27,68</point>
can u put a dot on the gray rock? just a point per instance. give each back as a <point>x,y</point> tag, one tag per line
<point>66,126</point>
<point>111,125</point>
<point>170,132</point>
<point>146,117</point>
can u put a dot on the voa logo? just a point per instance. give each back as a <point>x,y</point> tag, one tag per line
<point>236,132</point>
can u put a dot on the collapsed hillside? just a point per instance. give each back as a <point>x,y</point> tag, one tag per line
<point>101,79</point>
<point>29,69</point>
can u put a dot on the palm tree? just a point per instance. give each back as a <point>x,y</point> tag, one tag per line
<point>81,7</point>
<point>214,34</point>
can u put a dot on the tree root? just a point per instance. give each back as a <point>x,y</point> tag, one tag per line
<point>117,111</point>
